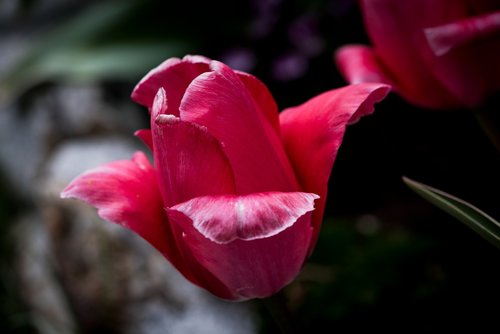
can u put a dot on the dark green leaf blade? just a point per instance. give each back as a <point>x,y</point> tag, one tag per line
<point>470,215</point>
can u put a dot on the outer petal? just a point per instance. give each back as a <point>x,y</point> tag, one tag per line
<point>312,134</point>
<point>221,102</point>
<point>189,160</point>
<point>254,244</point>
<point>360,64</point>
<point>174,75</point>
<point>126,192</point>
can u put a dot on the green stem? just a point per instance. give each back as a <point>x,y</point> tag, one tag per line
<point>276,305</point>
<point>488,118</point>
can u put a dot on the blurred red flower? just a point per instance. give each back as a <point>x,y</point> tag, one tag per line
<point>440,54</point>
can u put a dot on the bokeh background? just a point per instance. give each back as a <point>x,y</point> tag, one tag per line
<point>386,259</point>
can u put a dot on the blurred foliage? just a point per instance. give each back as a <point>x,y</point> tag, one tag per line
<point>364,266</point>
<point>99,43</point>
<point>390,278</point>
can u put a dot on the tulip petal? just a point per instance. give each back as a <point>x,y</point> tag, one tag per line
<point>253,244</point>
<point>220,101</point>
<point>190,161</point>
<point>126,192</point>
<point>444,38</point>
<point>174,75</point>
<point>223,219</point>
<point>146,136</point>
<point>264,101</point>
<point>360,64</point>
<point>312,134</point>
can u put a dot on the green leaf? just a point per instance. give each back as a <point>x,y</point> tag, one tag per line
<point>483,224</point>
<point>97,44</point>
<point>90,65</point>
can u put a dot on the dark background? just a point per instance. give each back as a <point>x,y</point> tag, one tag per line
<point>386,259</point>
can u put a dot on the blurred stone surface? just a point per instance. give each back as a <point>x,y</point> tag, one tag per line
<point>30,133</point>
<point>40,286</point>
<point>78,273</point>
<point>72,157</point>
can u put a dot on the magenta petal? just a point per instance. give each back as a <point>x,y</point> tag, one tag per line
<point>312,134</point>
<point>221,102</point>
<point>223,219</point>
<point>277,229</point>
<point>190,161</point>
<point>360,64</point>
<point>174,75</point>
<point>146,137</point>
<point>125,192</point>
<point>264,101</point>
<point>446,37</point>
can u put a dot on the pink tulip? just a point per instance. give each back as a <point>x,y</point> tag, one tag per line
<point>237,192</point>
<point>438,54</point>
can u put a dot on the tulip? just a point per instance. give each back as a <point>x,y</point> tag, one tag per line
<point>437,54</point>
<point>237,192</point>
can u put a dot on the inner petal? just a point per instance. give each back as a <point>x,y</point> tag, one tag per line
<point>221,102</point>
<point>189,160</point>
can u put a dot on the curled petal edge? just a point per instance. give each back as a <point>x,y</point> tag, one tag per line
<point>224,219</point>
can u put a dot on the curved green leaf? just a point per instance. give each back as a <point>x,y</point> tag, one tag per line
<point>473,217</point>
